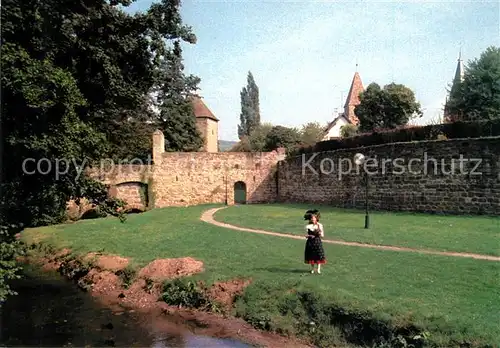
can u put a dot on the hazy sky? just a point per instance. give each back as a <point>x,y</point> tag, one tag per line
<point>303,54</point>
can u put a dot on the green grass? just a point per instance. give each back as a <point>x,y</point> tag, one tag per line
<point>453,298</point>
<point>475,234</point>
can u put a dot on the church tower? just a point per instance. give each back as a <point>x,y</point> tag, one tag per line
<point>457,80</point>
<point>353,99</point>
<point>459,72</point>
<point>334,128</point>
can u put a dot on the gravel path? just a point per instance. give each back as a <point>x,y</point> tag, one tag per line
<point>208,216</point>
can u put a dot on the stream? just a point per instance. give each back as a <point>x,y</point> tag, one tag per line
<point>50,311</point>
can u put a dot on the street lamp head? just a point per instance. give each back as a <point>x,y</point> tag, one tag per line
<point>359,159</point>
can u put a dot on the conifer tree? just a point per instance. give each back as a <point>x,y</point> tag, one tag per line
<point>176,112</point>
<point>250,108</point>
<point>477,98</point>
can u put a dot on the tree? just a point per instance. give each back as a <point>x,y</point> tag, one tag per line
<point>115,58</point>
<point>478,96</point>
<point>250,107</point>
<point>258,138</point>
<point>176,111</point>
<point>348,130</point>
<point>10,249</point>
<point>267,137</point>
<point>386,108</point>
<point>94,67</point>
<point>256,141</point>
<point>76,79</point>
<point>281,136</point>
<point>242,146</point>
<point>49,132</point>
<point>311,133</point>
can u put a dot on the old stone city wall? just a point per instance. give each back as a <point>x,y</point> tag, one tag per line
<point>190,178</point>
<point>416,176</point>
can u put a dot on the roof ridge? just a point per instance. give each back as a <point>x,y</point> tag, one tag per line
<point>200,109</point>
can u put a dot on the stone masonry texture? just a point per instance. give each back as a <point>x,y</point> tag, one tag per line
<point>417,176</point>
<point>190,178</point>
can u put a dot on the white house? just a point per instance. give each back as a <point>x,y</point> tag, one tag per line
<point>333,130</point>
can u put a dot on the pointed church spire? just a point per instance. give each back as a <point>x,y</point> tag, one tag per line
<point>353,98</point>
<point>354,91</point>
<point>459,72</point>
<point>458,79</point>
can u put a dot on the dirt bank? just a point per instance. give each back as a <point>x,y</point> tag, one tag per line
<point>110,280</point>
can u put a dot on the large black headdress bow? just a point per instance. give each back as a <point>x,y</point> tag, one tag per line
<point>308,215</point>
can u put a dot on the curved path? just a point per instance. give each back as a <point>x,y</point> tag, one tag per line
<point>208,216</point>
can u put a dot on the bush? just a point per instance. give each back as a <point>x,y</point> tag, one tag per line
<point>182,292</point>
<point>10,248</point>
<point>349,130</point>
<point>127,276</point>
<point>311,315</point>
<point>455,130</point>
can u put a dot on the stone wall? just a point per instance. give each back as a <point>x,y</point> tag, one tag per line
<point>416,176</point>
<point>134,193</point>
<point>190,178</point>
<point>203,177</point>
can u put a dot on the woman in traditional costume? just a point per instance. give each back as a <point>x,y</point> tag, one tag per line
<point>314,253</point>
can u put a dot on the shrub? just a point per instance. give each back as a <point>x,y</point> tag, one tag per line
<point>455,130</point>
<point>182,292</point>
<point>127,276</point>
<point>349,130</point>
<point>10,248</point>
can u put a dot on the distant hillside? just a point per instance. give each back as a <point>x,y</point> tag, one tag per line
<point>225,145</point>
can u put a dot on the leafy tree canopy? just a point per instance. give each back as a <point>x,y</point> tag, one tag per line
<point>77,79</point>
<point>311,133</point>
<point>348,130</point>
<point>280,136</point>
<point>386,108</point>
<point>478,96</point>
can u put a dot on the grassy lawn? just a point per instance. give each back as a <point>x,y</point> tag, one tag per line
<point>475,234</point>
<point>451,297</point>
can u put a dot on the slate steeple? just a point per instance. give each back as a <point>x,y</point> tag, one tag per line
<point>459,72</point>
<point>457,80</point>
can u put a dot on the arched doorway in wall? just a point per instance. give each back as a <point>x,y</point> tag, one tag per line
<point>135,193</point>
<point>240,192</point>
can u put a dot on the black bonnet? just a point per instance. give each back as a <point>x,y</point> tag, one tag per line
<point>308,215</point>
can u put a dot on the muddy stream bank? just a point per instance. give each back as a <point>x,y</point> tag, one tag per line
<point>67,300</point>
<point>50,310</point>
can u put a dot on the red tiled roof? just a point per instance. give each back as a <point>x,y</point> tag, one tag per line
<point>201,110</point>
<point>356,89</point>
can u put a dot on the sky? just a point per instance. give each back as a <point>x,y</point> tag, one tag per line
<point>303,54</point>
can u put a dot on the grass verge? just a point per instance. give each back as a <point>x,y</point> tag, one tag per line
<point>363,297</point>
<point>474,234</point>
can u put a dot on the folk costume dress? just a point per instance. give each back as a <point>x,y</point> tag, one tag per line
<point>314,253</point>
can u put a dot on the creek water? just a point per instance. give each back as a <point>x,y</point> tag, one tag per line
<point>50,311</point>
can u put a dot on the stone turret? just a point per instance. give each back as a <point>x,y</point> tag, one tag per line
<point>207,124</point>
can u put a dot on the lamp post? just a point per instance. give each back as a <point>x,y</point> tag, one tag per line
<point>225,182</point>
<point>360,159</point>
<point>226,190</point>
